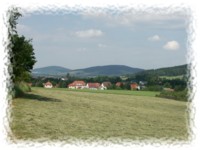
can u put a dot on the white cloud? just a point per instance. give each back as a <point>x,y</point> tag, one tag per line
<point>83,49</point>
<point>89,33</point>
<point>131,17</point>
<point>102,45</point>
<point>172,45</point>
<point>23,28</point>
<point>154,38</point>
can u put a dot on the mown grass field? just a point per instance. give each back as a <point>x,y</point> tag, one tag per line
<point>61,114</point>
<point>120,92</point>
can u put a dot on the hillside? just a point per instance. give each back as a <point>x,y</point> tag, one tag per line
<point>109,70</point>
<point>50,70</point>
<point>168,71</point>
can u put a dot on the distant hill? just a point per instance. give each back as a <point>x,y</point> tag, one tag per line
<point>168,71</point>
<point>109,70</point>
<point>50,70</point>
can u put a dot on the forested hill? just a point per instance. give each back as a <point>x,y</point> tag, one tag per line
<point>109,70</point>
<point>169,71</point>
<point>50,70</point>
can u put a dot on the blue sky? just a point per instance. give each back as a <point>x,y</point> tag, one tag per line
<point>84,39</point>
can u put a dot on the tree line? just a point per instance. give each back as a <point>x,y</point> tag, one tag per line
<point>152,82</point>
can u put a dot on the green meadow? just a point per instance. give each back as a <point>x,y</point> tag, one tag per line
<point>62,114</point>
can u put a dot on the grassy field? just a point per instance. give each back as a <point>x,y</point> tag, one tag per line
<point>60,114</point>
<point>120,92</point>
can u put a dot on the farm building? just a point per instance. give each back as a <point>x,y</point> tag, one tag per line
<point>134,86</point>
<point>77,85</point>
<point>119,84</point>
<point>48,85</point>
<point>93,86</point>
<point>105,85</point>
<point>142,84</point>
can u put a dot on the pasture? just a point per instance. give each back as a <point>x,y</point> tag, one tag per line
<point>61,114</point>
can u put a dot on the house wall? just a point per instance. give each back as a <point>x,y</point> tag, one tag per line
<point>102,87</point>
<point>71,87</point>
<point>48,86</point>
<point>134,86</point>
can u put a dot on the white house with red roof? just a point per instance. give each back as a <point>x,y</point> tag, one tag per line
<point>93,86</point>
<point>77,85</point>
<point>48,85</point>
<point>105,85</point>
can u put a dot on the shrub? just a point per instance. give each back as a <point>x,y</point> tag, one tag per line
<point>153,88</point>
<point>177,95</point>
<point>20,88</point>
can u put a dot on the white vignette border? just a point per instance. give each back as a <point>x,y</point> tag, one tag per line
<point>54,8</point>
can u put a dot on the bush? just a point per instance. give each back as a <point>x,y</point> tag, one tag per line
<point>20,88</point>
<point>153,88</point>
<point>179,95</point>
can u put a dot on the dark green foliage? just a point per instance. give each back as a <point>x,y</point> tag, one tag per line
<point>153,88</point>
<point>174,83</point>
<point>151,78</point>
<point>113,87</point>
<point>100,79</point>
<point>180,95</point>
<point>62,84</point>
<point>169,71</point>
<point>23,58</point>
<point>167,85</point>
<point>38,84</point>
<point>127,86</point>
<point>179,88</point>
<point>22,53</point>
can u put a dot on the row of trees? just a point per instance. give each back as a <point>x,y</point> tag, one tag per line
<point>154,83</point>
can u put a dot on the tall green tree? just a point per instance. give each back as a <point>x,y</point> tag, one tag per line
<point>22,51</point>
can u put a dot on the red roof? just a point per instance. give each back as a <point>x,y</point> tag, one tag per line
<point>134,85</point>
<point>48,83</point>
<point>77,83</point>
<point>119,84</point>
<point>107,84</point>
<point>93,85</point>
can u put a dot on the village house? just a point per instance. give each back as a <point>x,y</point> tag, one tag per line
<point>93,86</point>
<point>134,86</point>
<point>48,85</point>
<point>77,85</point>
<point>105,85</point>
<point>142,84</point>
<point>119,84</point>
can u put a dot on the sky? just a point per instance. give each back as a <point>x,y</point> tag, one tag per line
<point>86,38</point>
